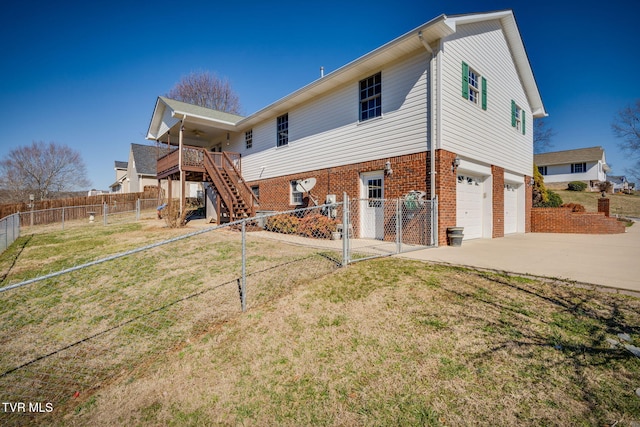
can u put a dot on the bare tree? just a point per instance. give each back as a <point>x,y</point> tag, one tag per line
<point>626,126</point>
<point>44,170</point>
<point>206,90</point>
<point>541,136</point>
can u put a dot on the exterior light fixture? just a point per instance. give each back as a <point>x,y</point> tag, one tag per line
<point>455,164</point>
<point>387,168</point>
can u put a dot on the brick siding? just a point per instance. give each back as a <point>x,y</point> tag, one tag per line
<point>528,204</point>
<point>562,220</point>
<point>446,187</point>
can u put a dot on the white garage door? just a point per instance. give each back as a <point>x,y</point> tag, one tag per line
<point>469,205</point>
<point>510,208</point>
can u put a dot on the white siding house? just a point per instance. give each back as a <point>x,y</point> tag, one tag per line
<point>559,168</point>
<point>449,106</point>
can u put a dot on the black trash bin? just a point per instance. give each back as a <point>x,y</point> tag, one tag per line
<point>454,236</point>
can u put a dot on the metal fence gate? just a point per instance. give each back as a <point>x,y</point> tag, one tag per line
<point>381,227</point>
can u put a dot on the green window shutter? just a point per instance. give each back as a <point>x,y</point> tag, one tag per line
<point>484,93</point>
<point>513,113</point>
<point>524,127</point>
<point>465,80</point>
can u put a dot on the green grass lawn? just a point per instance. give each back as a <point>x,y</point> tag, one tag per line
<point>620,204</point>
<point>381,342</point>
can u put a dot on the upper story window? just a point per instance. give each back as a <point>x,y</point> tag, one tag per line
<point>371,97</point>
<point>248,139</point>
<point>542,170</point>
<point>518,117</point>
<point>578,167</point>
<point>283,130</point>
<point>474,86</point>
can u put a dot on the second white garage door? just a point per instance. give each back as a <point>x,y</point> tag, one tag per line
<point>469,205</point>
<point>510,208</point>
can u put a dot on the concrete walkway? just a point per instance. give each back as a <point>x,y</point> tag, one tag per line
<point>611,260</point>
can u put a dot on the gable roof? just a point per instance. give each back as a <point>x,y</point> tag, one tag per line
<point>168,113</point>
<point>418,38</point>
<point>145,158</point>
<point>580,155</point>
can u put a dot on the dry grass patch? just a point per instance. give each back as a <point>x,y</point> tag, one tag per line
<point>396,342</point>
<point>619,204</point>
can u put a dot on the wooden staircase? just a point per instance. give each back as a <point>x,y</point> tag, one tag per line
<point>236,200</point>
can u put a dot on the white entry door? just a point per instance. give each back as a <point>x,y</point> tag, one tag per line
<point>469,205</point>
<point>510,208</point>
<point>372,205</point>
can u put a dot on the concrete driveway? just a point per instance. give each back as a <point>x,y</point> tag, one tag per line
<point>611,260</point>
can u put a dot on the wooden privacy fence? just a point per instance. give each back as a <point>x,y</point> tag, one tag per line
<point>109,199</point>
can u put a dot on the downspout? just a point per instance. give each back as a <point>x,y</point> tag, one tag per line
<point>430,132</point>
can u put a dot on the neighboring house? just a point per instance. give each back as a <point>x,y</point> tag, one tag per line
<point>559,168</point>
<point>448,107</point>
<point>619,183</point>
<point>121,183</point>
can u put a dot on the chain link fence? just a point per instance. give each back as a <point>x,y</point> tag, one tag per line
<point>67,334</point>
<point>45,220</point>
<point>9,231</point>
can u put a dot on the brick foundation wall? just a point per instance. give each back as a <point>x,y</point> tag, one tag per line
<point>498,201</point>
<point>562,220</point>
<point>528,204</point>
<point>409,173</point>
<point>446,183</point>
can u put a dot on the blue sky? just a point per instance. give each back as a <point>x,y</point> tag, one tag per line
<point>87,74</point>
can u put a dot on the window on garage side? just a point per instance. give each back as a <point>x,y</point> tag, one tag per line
<point>371,97</point>
<point>474,86</point>
<point>518,117</point>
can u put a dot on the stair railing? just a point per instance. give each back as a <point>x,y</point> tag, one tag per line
<point>245,192</point>
<point>221,185</point>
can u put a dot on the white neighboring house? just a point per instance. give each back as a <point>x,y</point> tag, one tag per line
<point>449,106</point>
<point>121,183</point>
<point>559,168</point>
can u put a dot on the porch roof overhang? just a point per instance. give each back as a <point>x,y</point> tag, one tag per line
<point>213,124</point>
<point>202,126</point>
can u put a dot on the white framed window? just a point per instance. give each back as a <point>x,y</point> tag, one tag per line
<point>255,189</point>
<point>371,97</point>
<point>248,139</point>
<point>296,196</point>
<point>578,168</point>
<point>283,130</point>
<point>474,86</point>
<point>518,118</point>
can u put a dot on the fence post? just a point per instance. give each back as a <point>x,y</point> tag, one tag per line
<point>63,217</point>
<point>138,209</point>
<point>345,229</point>
<point>434,221</point>
<point>243,296</point>
<point>398,226</point>
<point>105,211</point>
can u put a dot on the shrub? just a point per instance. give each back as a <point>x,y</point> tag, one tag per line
<point>285,224</point>
<point>554,200</point>
<point>577,186</point>
<point>575,207</point>
<point>318,226</point>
